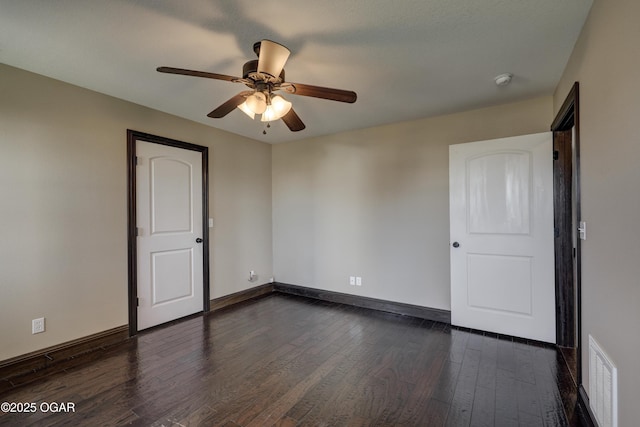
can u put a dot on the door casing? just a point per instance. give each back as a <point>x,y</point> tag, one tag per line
<point>569,311</point>
<point>132,137</point>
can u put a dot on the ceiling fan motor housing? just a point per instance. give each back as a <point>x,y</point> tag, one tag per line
<point>250,71</point>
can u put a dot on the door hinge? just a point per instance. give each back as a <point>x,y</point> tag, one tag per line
<point>556,232</point>
<point>138,231</point>
<point>556,154</point>
<point>138,161</point>
<point>137,302</point>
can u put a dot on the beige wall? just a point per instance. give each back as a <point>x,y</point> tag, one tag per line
<point>63,220</point>
<point>606,63</point>
<point>375,203</point>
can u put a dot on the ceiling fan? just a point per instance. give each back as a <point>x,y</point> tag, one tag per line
<point>265,76</point>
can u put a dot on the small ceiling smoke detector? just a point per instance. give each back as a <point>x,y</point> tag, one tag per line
<point>503,79</point>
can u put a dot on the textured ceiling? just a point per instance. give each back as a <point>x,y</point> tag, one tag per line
<point>406,59</point>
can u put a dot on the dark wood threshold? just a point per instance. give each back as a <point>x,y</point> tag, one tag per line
<point>434,314</point>
<point>587,418</point>
<point>23,368</point>
<point>569,354</point>
<point>238,297</point>
<point>505,337</point>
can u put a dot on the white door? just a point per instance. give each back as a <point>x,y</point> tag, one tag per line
<point>169,221</point>
<point>501,230</point>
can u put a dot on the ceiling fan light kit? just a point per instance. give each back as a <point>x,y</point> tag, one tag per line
<point>256,102</point>
<point>276,109</point>
<point>263,77</point>
<point>245,109</point>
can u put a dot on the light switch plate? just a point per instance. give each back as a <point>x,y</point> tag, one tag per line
<point>582,230</point>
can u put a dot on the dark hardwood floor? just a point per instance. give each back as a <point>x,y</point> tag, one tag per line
<point>286,361</point>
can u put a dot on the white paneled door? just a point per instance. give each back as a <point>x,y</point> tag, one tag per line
<point>169,221</point>
<point>501,230</point>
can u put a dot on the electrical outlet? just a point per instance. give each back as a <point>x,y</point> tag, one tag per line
<point>358,281</point>
<point>37,325</point>
<point>352,280</point>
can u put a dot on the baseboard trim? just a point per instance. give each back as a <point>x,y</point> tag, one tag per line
<point>50,357</point>
<point>587,418</point>
<point>434,314</point>
<point>238,297</point>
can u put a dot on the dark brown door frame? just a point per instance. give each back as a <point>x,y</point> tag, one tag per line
<point>565,128</point>
<point>132,137</point>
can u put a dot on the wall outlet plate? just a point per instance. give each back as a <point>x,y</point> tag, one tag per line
<point>352,280</point>
<point>358,281</point>
<point>37,325</point>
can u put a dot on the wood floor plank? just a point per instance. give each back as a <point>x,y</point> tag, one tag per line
<point>463,397</point>
<point>430,379</point>
<point>553,411</point>
<point>330,390</point>
<point>276,410</point>
<point>285,422</point>
<point>506,356</point>
<point>524,363</point>
<point>342,401</point>
<point>506,407</point>
<point>488,363</point>
<point>446,385</point>
<point>328,342</point>
<point>528,399</point>
<point>483,412</point>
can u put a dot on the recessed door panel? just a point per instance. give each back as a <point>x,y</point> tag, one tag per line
<point>500,283</point>
<point>171,189</point>
<point>171,275</point>
<point>498,196</point>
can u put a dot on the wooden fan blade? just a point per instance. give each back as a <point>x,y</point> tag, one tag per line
<point>321,92</point>
<point>293,122</point>
<point>193,73</point>
<point>229,106</point>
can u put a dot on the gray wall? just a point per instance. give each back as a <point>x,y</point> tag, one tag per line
<point>63,228</point>
<point>606,62</point>
<point>375,203</point>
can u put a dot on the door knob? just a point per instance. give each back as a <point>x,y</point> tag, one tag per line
<point>456,245</point>
<point>198,240</point>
